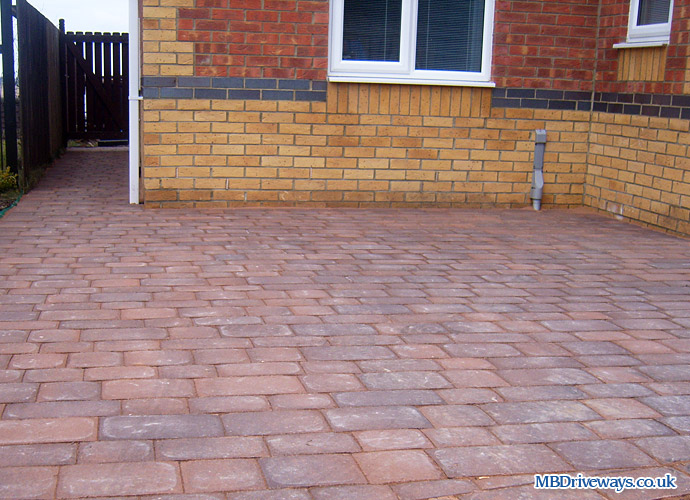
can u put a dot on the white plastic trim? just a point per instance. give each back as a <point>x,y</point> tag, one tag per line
<point>134,98</point>
<point>647,34</point>
<point>359,78</point>
<point>638,45</point>
<point>403,72</point>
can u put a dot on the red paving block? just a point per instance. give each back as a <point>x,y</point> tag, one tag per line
<point>160,426</point>
<point>616,408</point>
<point>116,451</point>
<point>423,490</point>
<point>62,409</point>
<point>221,475</point>
<point>382,467</point>
<point>210,448</point>
<point>37,454</point>
<point>321,335</point>
<point>121,479</point>
<point>363,492</point>
<point>392,439</point>
<point>154,406</point>
<point>347,353</point>
<point>404,380</point>
<point>544,433</point>
<point>281,494</point>
<point>456,416</point>
<point>35,361</point>
<point>94,359</point>
<point>539,411</point>
<point>311,470</point>
<point>258,369</point>
<point>546,376</point>
<point>369,418</point>
<point>603,454</point>
<point>307,444</point>
<point>274,422</point>
<point>331,382</point>
<point>17,392</point>
<point>498,460</point>
<point>187,371</point>
<point>622,429</point>
<point>119,372</point>
<point>461,436</point>
<point>474,378</point>
<point>388,398</point>
<point>229,404</point>
<point>220,356</point>
<point>145,388</point>
<point>241,386</point>
<point>28,482</point>
<point>69,391</point>
<point>158,358</point>
<point>45,430</point>
<point>301,401</point>
<point>540,393</point>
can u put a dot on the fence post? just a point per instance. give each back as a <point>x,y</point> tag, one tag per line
<point>9,86</point>
<point>63,81</point>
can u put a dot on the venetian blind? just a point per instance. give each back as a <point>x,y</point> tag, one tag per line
<point>371,30</point>
<point>653,12</point>
<point>450,35</point>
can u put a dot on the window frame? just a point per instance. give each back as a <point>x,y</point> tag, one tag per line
<point>340,70</point>
<point>651,33</point>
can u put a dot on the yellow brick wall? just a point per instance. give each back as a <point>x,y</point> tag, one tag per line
<point>369,145</point>
<point>163,54</point>
<point>639,170</point>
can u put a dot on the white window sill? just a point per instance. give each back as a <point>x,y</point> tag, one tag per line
<point>341,78</point>
<point>641,44</point>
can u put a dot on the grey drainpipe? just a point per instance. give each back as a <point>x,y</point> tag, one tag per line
<point>538,173</point>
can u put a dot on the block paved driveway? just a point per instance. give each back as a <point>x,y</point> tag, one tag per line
<point>332,354</point>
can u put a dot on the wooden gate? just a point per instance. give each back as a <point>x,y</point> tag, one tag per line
<point>96,85</point>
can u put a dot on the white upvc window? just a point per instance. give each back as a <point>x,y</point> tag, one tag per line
<point>650,22</point>
<point>442,42</point>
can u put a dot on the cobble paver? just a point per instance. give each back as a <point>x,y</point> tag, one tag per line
<point>325,354</point>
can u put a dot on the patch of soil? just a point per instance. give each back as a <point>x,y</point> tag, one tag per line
<point>7,199</point>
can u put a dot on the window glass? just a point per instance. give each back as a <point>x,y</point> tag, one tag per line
<point>371,30</point>
<point>653,12</point>
<point>446,42</point>
<point>450,35</point>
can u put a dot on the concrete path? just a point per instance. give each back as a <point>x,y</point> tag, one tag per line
<point>332,354</point>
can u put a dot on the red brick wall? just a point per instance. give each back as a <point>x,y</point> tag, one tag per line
<point>548,44</point>
<point>614,28</point>
<point>677,68</point>
<point>258,38</point>
<point>545,44</point>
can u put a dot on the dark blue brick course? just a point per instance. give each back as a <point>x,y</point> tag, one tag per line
<point>663,105</point>
<point>278,95</point>
<point>177,93</point>
<point>294,84</point>
<point>193,81</point>
<point>260,83</point>
<point>244,94</point>
<point>210,93</point>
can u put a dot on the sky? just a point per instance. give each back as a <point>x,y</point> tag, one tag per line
<point>87,15</point>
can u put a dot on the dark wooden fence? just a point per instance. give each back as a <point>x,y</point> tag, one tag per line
<point>96,71</point>
<point>70,86</point>
<point>9,156</point>
<point>41,113</point>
